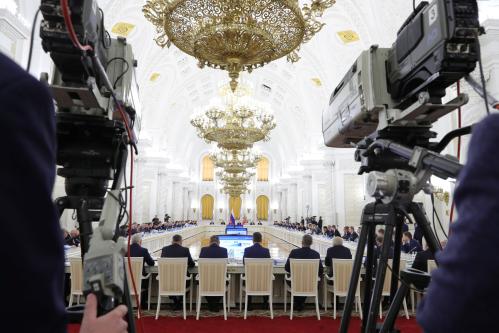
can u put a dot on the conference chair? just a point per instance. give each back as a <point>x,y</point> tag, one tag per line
<point>76,271</point>
<point>432,264</point>
<point>342,271</point>
<point>172,281</point>
<point>258,279</point>
<point>304,282</point>
<point>387,285</point>
<point>137,264</point>
<point>213,281</point>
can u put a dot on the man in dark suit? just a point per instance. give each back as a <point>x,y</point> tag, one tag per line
<point>27,124</point>
<point>136,250</point>
<point>421,259</point>
<point>465,283</point>
<point>320,222</point>
<point>337,251</point>
<point>353,234</point>
<point>176,250</point>
<point>346,233</point>
<point>256,251</point>
<point>335,232</point>
<point>410,245</point>
<point>305,252</point>
<point>213,251</point>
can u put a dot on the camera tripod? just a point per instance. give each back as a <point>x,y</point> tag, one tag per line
<point>396,174</point>
<point>392,217</point>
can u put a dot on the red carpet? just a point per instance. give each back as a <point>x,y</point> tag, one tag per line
<point>254,324</point>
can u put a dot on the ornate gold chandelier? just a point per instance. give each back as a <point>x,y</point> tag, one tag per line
<point>235,35</point>
<point>236,170</point>
<point>235,161</point>
<point>234,190</point>
<point>235,126</point>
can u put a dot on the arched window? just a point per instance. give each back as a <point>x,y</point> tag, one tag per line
<point>262,208</point>
<point>235,205</point>
<point>262,170</point>
<point>207,203</point>
<point>208,169</point>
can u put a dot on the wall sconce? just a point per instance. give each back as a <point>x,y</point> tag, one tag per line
<point>249,210</point>
<point>194,210</point>
<point>220,210</point>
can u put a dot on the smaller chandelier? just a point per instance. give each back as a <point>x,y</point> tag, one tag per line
<point>237,125</point>
<point>235,161</point>
<point>234,179</point>
<point>234,190</point>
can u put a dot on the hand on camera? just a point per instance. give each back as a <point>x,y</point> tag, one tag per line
<point>111,322</point>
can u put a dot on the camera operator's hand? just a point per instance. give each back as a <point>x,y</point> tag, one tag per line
<point>111,322</point>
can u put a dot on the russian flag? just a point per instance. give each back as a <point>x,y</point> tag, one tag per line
<point>232,218</point>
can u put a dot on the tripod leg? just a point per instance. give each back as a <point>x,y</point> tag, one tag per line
<point>380,272</point>
<point>354,279</point>
<point>396,255</point>
<point>85,222</point>
<point>369,264</point>
<point>424,224</point>
<point>393,312</point>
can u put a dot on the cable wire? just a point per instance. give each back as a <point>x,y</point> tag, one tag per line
<point>32,39</point>
<point>482,76</point>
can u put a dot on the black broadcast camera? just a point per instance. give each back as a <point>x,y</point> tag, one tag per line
<point>97,116</point>
<point>384,107</point>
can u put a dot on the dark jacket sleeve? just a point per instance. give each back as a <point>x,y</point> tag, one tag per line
<point>267,253</point>
<point>163,252</point>
<point>147,257</point>
<point>464,284</point>
<point>287,267</point>
<point>328,260</point>
<point>190,262</point>
<point>321,268</point>
<point>202,254</point>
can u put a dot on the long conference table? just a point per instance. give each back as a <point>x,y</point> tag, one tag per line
<point>193,234</point>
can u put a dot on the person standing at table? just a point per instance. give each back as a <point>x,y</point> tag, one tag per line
<point>176,250</point>
<point>305,252</point>
<point>213,251</point>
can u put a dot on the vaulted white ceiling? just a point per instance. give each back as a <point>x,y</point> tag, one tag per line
<point>294,95</point>
<point>297,101</point>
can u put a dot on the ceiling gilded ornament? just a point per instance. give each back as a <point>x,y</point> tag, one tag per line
<point>235,35</point>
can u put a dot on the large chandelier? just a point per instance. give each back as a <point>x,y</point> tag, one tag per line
<point>236,125</point>
<point>235,35</point>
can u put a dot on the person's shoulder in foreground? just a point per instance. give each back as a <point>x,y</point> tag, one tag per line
<point>462,296</point>
<point>28,127</point>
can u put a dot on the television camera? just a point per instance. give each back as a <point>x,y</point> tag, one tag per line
<point>97,117</point>
<point>384,107</point>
